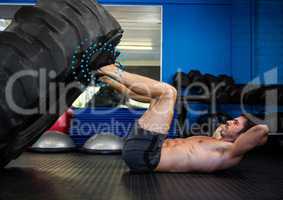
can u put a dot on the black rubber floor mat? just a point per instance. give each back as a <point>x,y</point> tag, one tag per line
<point>84,177</point>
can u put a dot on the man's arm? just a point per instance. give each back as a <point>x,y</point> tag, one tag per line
<point>255,136</point>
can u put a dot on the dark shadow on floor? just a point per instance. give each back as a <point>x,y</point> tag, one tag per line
<point>22,183</point>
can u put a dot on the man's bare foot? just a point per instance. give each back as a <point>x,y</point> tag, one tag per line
<point>107,69</point>
<point>112,71</point>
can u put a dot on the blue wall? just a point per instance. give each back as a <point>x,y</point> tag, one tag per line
<point>257,40</point>
<point>196,36</point>
<point>18,2</point>
<point>268,38</point>
<point>241,45</point>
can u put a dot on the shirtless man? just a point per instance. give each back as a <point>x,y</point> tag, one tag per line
<point>147,149</point>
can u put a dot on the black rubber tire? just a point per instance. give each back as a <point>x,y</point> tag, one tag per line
<point>45,36</point>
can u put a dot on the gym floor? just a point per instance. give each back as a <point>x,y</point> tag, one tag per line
<point>79,176</point>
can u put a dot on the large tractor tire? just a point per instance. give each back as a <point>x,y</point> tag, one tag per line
<point>44,39</point>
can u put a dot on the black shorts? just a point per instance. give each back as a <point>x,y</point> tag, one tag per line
<point>142,149</point>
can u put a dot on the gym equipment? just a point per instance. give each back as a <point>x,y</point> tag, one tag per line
<point>228,80</point>
<point>256,96</point>
<point>210,80</point>
<point>209,122</point>
<point>104,143</point>
<point>56,139</point>
<point>53,142</point>
<point>181,79</point>
<point>50,36</point>
<point>196,90</point>
<point>228,94</point>
<point>280,95</point>
<point>196,77</point>
<point>226,90</point>
<point>259,95</point>
<point>222,96</point>
<point>235,94</point>
<point>275,122</point>
<point>193,74</point>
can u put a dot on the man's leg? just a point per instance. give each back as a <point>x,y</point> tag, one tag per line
<point>163,97</point>
<point>119,87</point>
<point>142,149</point>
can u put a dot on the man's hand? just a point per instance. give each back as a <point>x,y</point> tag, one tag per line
<point>255,136</point>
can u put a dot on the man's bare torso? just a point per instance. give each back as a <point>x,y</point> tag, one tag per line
<point>196,154</point>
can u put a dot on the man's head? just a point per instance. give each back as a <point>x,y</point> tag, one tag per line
<point>232,129</point>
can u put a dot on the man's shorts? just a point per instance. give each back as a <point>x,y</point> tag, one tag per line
<point>142,149</point>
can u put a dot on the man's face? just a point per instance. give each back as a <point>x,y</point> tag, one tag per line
<point>231,130</point>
